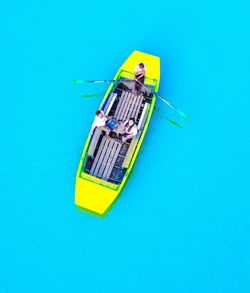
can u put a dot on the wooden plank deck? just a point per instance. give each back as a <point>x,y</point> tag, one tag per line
<point>113,160</point>
<point>127,111</point>
<point>103,152</point>
<point>133,103</point>
<point>121,101</point>
<point>105,159</point>
<point>128,106</point>
<point>125,107</point>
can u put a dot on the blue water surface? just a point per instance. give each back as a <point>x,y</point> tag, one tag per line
<point>182,222</point>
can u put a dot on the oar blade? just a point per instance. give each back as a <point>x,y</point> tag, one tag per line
<point>78,81</point>
<point>182,114</point>
<point>163,116</point>
<point>174,123</point>
<point>171,106</point>
<point>87,96</point>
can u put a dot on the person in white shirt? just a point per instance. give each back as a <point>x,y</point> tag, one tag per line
<point>130,129</point>
<point>106,123</point>
<point>140,70</point>
<point>100,121</point>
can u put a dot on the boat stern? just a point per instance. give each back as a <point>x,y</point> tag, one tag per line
<point>92,195</point>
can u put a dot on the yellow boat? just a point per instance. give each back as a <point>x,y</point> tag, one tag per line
<point>105,163</point>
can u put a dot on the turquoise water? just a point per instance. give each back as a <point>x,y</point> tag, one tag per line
<point>182,222</point>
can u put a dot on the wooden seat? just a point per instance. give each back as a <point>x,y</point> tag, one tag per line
<point>121,102</point>
<point>105,158</point>
<point>128,106</point>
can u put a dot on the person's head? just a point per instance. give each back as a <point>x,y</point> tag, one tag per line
<point>131,122</point>
<point>99,114</point>
<point>141,65</point>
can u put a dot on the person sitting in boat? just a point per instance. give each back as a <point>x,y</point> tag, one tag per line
<point>130,129</point>
<point>140,70</point>
<point>106,123</point>
<point>100,120</point>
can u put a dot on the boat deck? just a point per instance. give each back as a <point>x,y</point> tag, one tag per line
<point>108,159</point>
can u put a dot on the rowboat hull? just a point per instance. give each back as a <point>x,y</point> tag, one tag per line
<point>95,194</point>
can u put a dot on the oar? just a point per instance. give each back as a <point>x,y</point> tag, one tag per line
<point>76,81</point>
<point>159,111</point>
<point>171,106</point>
<point>87,96</point>
<point>79,81</point>
<point>165,101</point>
